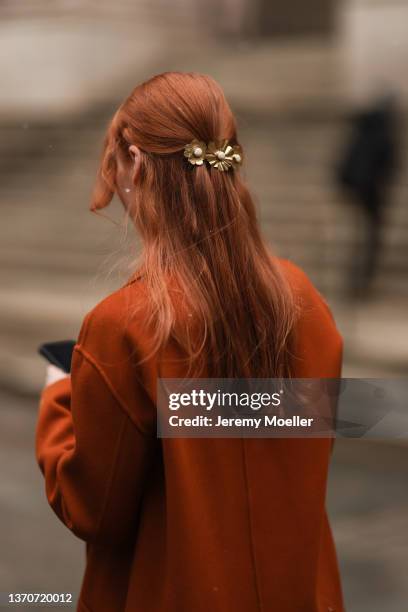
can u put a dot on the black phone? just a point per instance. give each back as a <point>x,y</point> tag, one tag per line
<point>58,353</point>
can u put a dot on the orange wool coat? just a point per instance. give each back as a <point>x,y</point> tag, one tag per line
<point>186,525</point>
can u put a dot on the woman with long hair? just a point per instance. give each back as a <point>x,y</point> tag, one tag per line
<point>188,524</point>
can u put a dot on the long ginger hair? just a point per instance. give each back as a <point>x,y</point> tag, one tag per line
<point>199,229</point>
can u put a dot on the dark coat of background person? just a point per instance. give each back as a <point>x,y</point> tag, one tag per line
<point>365,171</point>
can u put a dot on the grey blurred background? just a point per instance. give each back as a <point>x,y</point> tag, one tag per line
<point>294,72</point>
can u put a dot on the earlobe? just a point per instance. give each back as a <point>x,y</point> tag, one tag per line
<point>134,151</point>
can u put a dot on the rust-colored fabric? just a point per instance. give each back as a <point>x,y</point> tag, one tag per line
<point>186,525</point>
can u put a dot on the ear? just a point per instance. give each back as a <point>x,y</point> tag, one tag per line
<point>134,152</point>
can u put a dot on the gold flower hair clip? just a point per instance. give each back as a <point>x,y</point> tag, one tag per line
<point>220,155</point>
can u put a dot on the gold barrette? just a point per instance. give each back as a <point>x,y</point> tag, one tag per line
<point>220,155</point>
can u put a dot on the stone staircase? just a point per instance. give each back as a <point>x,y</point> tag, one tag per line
<point>305,216</point>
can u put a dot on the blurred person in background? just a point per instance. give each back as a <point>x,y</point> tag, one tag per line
<point>187,524</point>
<point>366,172</point>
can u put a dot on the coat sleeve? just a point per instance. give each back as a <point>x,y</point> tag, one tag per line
<point>93,456</point>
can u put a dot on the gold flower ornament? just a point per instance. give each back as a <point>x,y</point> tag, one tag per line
<point>195,152</point>
<point>220,155</point>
